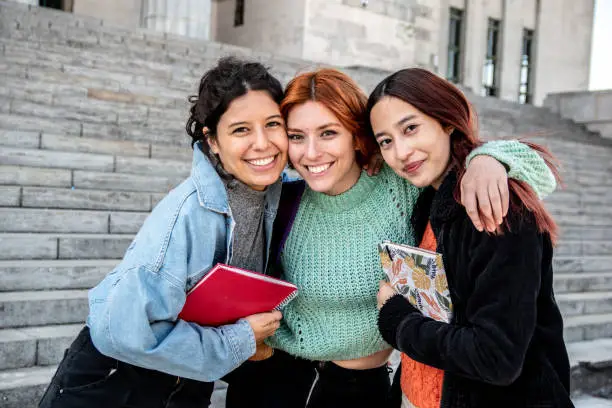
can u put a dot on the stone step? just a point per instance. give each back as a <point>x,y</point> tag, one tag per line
<point>38,246</point>
<point>582,220</point>
<point>68,143</point>
<point>151,134</point>
<point>47,92</point>
<point>64,143</point>
<point>70,221</point>
<point>587,327</point>
<point>590,351</point>
<point>100,112</point>
<point>588,233</point>
<point>97,87</point>
<point>591,368</point>
<point>590,303</point>
<point>24,387</point>
<point>93,161</point>
<point>91,59</point>
<point>567,247</point>
<point>31,275</point>
<point>582,264</point>
<point>39,308</point>
<point>41,158</point>
<point>583,282</point>
<point>53,84</point>
<point>35,346</point>
<point>125,182</point>
<point>81,179</point>
<point>68,198</point>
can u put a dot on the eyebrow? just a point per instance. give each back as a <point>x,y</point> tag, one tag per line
<point>246,123</point>
<point>326,125</point>
<point>399,122</point>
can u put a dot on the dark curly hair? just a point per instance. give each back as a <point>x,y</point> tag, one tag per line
<point>230,79</point>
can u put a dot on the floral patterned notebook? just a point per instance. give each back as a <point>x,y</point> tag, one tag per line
<point>419,275</point>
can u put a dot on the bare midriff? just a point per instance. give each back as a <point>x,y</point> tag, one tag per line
<point>375,360</point>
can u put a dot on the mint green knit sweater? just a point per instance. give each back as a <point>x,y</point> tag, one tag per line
<point>331,255</point>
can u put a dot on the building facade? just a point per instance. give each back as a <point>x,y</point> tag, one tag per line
<point>517,50</point>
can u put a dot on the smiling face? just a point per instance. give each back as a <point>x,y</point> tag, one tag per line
<point>321,149</point>
<point>413,144</point>
<point>251,140</point>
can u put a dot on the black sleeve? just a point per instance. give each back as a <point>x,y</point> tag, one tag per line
<point>500,312</point>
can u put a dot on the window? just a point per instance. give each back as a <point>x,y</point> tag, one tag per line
<point>489,72</point>
<point>455,33</point>
<point>239,13</point>
<point>525,85</point>
<point>56,4</point>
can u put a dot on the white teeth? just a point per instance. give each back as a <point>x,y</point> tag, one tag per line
<point>262,162</point>
<point>318,169</point>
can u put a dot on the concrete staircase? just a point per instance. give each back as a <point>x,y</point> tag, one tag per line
<point>91,138</point>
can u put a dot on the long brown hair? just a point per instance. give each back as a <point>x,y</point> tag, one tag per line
<point>341,95</point>
<point>443,101</point>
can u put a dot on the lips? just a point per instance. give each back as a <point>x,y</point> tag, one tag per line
<point>414,166</point>
<point>264,161</point>
<point>319,168</point>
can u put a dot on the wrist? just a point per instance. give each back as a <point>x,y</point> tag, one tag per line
<point>393,312</point>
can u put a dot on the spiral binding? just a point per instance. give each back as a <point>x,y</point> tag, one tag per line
<point>286,301</point>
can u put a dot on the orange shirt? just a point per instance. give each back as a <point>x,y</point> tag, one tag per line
<point>422,384</point>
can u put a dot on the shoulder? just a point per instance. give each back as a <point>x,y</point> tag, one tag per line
<point>173,222</point>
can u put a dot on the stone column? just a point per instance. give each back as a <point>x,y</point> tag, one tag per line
<point>511,48</point>
<point>184,17</point>
<point>475,43</point>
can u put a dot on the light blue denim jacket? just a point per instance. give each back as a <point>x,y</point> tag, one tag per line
<point>133,311</point>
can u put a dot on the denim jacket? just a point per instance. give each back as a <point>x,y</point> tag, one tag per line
<point>133,311</point>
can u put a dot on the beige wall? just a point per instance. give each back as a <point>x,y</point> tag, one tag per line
<point>563,46</point>
<point>275,26</point>
<point>344,33</point>
<point>564,25</point>
<point>120,12</point>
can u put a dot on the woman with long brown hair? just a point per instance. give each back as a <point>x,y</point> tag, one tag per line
<point>326,236</point>
<point>504,345</point>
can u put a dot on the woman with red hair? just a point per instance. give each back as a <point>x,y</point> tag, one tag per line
<point>328,228</point>
<point>504,345</point>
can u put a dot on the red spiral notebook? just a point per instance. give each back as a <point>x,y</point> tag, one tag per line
<point>227,294</point>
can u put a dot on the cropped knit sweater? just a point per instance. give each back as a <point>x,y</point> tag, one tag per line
<point>331,254</point>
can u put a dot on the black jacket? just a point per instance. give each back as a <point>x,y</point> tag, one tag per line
<point>504,346</point>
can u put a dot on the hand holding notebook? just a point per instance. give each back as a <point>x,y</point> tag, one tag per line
<point>227,294</point>
<point>419,275</point>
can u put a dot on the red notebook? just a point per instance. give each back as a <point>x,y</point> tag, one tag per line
<point>227,294</point>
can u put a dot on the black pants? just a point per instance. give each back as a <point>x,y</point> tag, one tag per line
<point>340,387</point>
<point>87,378</point>
<point>282,381</point>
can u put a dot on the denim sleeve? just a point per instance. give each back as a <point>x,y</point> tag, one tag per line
<point>523,163</point>
<point>134,311</point>
<point>135,324</point>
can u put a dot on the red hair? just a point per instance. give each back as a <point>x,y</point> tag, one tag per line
<point>443,101</point>
<point>342,96</point>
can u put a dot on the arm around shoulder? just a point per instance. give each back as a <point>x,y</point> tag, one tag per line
<point>522,162</point>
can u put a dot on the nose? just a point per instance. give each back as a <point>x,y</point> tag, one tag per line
<point>312,150</point>
<point>262,140</point>
<point>403,149</point>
